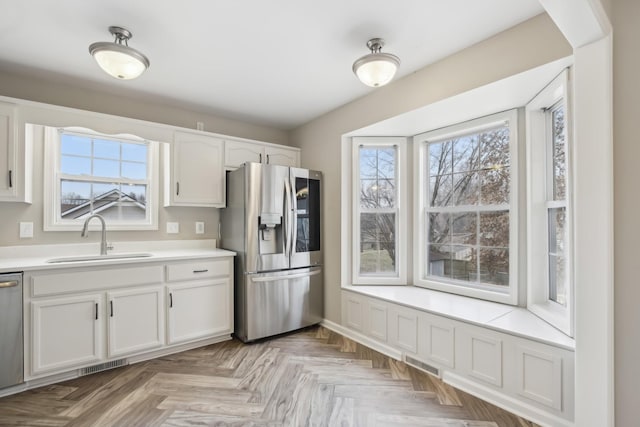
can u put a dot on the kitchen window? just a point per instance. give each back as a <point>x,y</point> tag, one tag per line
<point>550,277</point>
<point>467,209</point>
<point>380,213</point>
<point>92,173</point>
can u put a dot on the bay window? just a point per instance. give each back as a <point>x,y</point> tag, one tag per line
<point>467,221</point>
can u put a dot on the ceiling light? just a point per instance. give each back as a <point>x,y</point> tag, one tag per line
<point>377,68</point>
<point>117,58</point>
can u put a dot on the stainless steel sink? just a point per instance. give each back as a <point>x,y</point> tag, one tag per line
<point>99,257</point>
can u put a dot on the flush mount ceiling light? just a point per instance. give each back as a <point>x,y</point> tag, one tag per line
<point>377,68</point>
<point>117,58</point>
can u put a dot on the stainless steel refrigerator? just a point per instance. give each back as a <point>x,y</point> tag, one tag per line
<point>272,221</point>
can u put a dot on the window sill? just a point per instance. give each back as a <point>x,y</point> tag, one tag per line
<point>512,320</point>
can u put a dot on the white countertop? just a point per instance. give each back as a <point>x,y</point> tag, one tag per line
<point>500,317</point>
<point>35,257</point>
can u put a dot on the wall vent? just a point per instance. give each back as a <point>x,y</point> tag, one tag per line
<point>422,366</point>
<point>103,367</point>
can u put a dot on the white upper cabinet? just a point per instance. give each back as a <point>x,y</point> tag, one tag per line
<point>281,156</point>
<point>15,169</point>
<point>239,152</point>
<point>194,171</point>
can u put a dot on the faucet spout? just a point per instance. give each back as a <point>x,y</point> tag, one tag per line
<point>85,232</point>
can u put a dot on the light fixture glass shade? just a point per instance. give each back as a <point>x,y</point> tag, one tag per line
<point>376,69</point>
<point>118,59</point>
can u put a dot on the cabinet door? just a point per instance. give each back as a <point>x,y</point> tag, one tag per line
<point>236,153</point>
<point>136,320</point>
<point>197,171</point>
<point>281,156</point>
<point>199,310</point>
<point>66,332</point>
<point>8,161</point>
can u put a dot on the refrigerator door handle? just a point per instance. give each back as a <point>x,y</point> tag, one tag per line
<point>289,221</point>
<point>287,277</point>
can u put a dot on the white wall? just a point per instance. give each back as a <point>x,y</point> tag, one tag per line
<point>530,44</point>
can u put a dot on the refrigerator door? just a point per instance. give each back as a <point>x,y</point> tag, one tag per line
<point>266,217</point>
<point>305,243</point>
<point>280,302</point>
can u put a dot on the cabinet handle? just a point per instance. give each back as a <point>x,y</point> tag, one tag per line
<point>177,188</point>
<point>200,271</point>
<point>260,157</point>
<point>10,178</point>
<point>111,305</point>
<point>96,311</point>
<point>170,300</point>
<point>267,159</point>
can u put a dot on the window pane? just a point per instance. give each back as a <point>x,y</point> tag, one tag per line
<point>72,165</point>
<point>377,243</point>
<point>557,279</point>
<point>559,154</point>
<point>439,260</point>
<point>386,163</point>
<point>494,229</point>
<point>134,152</point>
<point>440,158</point>
<point>465,153</point>
<point>494,266</point>
<point>464,228</point>
<point>466,188</point>
<point>134,170</point>
<point>106,149</point>
<point>73,195</point>
<point>494,148</point>
<point>76,145</point>
<point>106,168</point>
<point>439,227</point>
<point>440,190</point>
<point>464,263</point>
<point>494,186</point>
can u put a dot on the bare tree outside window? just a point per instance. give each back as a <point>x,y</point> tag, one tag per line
<point>468,207</point>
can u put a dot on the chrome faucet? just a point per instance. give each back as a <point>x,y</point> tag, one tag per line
<point>85,232</point>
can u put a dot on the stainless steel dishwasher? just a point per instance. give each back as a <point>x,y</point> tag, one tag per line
<point>11,343</point>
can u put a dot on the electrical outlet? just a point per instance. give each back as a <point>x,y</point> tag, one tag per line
<point>26,230</point>
<point>173,227</point>
<point>199,227</point>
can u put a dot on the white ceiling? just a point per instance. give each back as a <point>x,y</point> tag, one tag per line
<point>274,62</point>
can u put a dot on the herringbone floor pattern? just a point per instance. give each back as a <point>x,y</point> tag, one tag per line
<point>310,378</point>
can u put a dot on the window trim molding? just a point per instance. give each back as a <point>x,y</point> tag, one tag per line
<point>52,221</point>
<point>419,252</point>
<point>561,317</point>
<point>402,208</point>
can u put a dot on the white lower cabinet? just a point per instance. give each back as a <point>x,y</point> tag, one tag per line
<point>80,317</point>
<point>199,310</point>
<point>136,320</point>
<point>66,332</point>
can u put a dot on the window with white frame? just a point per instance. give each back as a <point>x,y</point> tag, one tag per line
<point>467,211</point>
<point>380,216</point>
<point>91,173</point>
<point>548,204</point>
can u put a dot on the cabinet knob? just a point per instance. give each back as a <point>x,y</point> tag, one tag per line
<point>10,178</point>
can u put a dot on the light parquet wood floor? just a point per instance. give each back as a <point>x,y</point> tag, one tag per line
<point>310,378</point>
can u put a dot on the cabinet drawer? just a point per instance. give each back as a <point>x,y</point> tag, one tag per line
<point>201,269</point>
<point>47,283</point>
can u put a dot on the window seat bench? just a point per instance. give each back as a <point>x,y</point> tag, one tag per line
<point>500,353</point>
<point>505,318</point>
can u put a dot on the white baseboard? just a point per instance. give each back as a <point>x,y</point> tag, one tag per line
<point>362,339</point>
<point>505,402</point>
